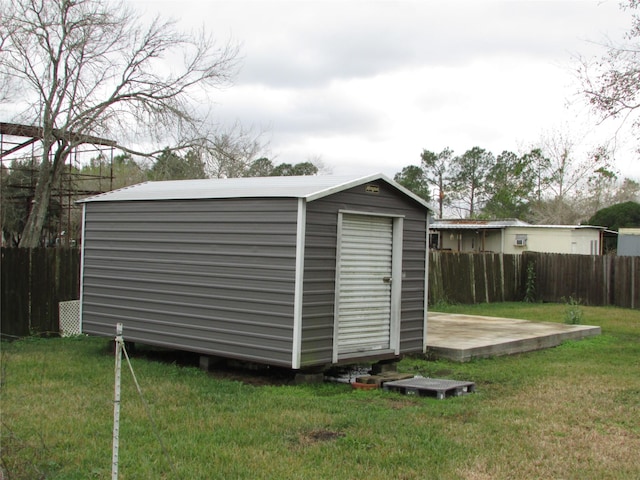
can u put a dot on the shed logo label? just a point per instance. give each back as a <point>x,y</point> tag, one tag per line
<point>372,189</point>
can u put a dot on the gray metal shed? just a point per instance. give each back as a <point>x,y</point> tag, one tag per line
<point>629,242</point>
<point>289,271</point>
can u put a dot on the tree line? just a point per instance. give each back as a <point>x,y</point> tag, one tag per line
<point>549,184</point>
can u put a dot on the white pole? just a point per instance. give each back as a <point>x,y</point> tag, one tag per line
<point>116,403</point>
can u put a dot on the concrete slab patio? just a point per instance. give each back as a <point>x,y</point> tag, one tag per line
<point>465,337</point>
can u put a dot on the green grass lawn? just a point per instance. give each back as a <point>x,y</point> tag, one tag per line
<point>569,412</point>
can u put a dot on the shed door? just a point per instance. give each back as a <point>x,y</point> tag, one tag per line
<point>364,285</point>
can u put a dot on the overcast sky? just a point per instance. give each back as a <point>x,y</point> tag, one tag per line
<point>367,85</point>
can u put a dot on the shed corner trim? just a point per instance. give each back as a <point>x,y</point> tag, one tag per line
<point>298,289</point>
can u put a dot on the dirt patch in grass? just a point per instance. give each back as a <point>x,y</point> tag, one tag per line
<point>318,436</point>
<point>256,378</point>
<point>400,403</point>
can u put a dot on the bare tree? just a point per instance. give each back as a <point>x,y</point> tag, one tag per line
<point>565,174</point>
<point>93,67</point>
<point>611,84</point>
<point>566,169</point>
<point>230,153</point>
<point>5,81</point>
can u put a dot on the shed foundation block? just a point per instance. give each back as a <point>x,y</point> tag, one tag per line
<point>207,362</point>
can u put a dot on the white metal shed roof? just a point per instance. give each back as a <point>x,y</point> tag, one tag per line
<point>498,225</point>
<point>476,224</point>
<point>307,187</point>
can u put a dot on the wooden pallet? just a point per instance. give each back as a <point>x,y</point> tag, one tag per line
<point>432,387</point>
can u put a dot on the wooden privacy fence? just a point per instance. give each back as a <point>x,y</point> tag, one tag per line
<point>488,277</point>
<point>474,278</point>
<point>34,281</point>
<point>590,279</point>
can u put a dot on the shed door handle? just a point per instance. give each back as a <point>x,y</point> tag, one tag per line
<point>386,279</point>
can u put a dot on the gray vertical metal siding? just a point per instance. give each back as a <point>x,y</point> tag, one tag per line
<point>211,276</point>
<point>320,263</point>
<point>413,284</point>
<point>629,245</point>
<point>319,283</point>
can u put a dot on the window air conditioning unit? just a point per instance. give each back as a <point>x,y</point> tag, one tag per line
<point>521,242</point>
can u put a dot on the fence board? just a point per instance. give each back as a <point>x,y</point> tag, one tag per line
<point>626,290</point>
<point>514,277</point>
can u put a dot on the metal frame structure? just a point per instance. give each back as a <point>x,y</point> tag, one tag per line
<point>68,187</point>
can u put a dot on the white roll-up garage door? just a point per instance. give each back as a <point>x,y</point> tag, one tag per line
<point>364,282</point>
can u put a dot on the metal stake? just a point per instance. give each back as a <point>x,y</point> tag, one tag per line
<point>116,403</point>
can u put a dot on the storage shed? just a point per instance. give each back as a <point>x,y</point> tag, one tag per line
<point>629,242</point>
<point>288,271</point>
